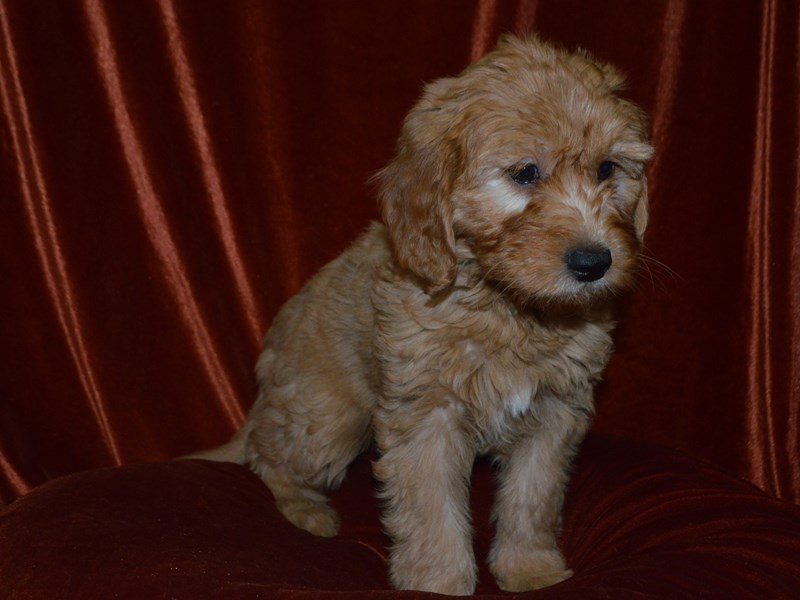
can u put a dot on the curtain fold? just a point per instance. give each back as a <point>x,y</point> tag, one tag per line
<point>171,171</point>
<point>159,230</point>
<point>772,414</point>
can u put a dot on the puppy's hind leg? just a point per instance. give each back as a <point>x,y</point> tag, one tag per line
<point>301,454</point>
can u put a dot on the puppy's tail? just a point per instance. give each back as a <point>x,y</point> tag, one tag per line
<point>232,451</point>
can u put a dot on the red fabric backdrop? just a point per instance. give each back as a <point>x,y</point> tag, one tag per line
<point>173,170</point>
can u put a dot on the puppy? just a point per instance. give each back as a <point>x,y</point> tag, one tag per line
<point>477,320</point>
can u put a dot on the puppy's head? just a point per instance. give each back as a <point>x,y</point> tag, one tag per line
<point>528,165</point>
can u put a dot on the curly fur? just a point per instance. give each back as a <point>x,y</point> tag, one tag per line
<point>458,328</point>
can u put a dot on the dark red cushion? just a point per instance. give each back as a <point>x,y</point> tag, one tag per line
<point>639,522</point>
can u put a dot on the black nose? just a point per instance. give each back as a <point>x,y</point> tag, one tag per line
<point>589,264</point>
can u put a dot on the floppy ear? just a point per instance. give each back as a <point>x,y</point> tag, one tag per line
<point>642,214</point>
<point>415,193</point>
<point>642,152</point>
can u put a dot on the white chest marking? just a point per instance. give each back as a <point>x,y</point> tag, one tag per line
<point>519,402</point>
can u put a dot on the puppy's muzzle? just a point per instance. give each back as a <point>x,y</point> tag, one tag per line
<point>588,264</point>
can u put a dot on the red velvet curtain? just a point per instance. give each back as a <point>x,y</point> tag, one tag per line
<point>173,170</point>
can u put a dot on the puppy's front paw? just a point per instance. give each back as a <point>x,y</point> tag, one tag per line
<point>438,581</point>
<point>450,571</point>
<point>520,572</point>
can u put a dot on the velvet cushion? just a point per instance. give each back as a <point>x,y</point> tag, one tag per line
<point>639,521</point>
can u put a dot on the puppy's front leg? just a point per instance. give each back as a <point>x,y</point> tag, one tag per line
<point>425,467</point>
<point>527,510</point>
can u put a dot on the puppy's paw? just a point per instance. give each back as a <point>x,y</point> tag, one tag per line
<point>520,572</point>
<point>446,571</point>
<point>441,582</point>
<point>523,582</point>
<point>315,517</point>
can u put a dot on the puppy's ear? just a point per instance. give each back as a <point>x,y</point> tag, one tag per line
<point>415,191</point>
<point>643,152</point>
<point>642,214</point>
<point>639,151</point>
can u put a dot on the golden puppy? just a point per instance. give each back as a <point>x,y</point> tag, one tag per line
<point>476,321</point>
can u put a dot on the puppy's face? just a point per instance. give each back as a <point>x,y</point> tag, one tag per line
<point>529,165</point>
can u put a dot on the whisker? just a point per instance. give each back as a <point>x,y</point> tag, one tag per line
<point>663,266</point>
<point>662,277</point>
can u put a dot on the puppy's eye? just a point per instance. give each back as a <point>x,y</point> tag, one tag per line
<point>605,170</point>
<point>525,174</point>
